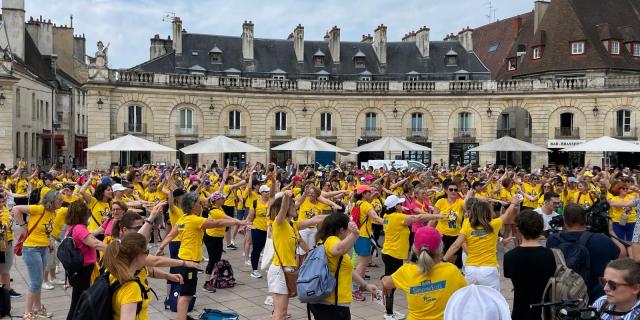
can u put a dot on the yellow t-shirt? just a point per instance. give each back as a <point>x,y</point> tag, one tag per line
<point>44,191</point>
<point>261,213</point>
<point>40,235</point>
<point>344,278</point>
<point>616,212</point>
<point>427,295</point>
<point>59,222</point>
<point>284,242</point>
<point>174,215</point>
<point>481,244</point>
<point>71,198</point>
<point>533,191</point>
<point>99,211</point>
<point>377,206</point>
<point>308,210</point>
<point>586,200</point>
<point>230,200</point>
<point>216,214</point>
<point>396,236</point>
<point>450,226</point>
<point>155,196</point>
<point>7,223</point>
<point>22,186</point>
<point>190,226</point>
<point>249,197</point>
<point>130,292</point>
<point>365,221</point>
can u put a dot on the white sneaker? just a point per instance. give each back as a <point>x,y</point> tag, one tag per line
<point>47,286</point>
<point>58,281</point>
<point>269,301</point>
<point>256,274</point>
<point>247,263</point>
<point>395,316</point>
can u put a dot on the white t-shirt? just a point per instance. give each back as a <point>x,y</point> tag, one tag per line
<point>546,218</point>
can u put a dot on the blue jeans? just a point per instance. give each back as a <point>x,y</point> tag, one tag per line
<point>624,232</point>
<point>36,259</point>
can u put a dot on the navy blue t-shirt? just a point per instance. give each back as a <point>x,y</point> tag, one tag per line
<point>601,251</point>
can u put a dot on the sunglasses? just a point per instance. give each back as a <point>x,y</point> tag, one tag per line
<point>547,186</point>
<point>438,183</point>
<point>138,227</point>
<point>625,188</point>
<point>612,284</point>
<point>453,190</point>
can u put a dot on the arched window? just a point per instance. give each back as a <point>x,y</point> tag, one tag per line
<point>417,122</point>
<point>135,119</point>
<point>280,122</point>
<point>371,121</point>
<point>186,118</point>
<point>234,120</point>
<point>566,129</point>
<point>623,123</point>
<point>325,123</point>
<point>18,106</point>
<point>464,121</point>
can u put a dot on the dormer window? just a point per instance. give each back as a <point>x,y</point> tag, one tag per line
<point>278,74</point>
<point>360,60</point>
<point>536,53</point>
<point>512,63</point>
<point>323,75</point>
<point>613,46</point>
<point>215,55</point>
<point>635,49</point>
<point>451,58</point>
<point>318,58</point>
<point>194,52</point>
<point>577,47</point>
<point>278,77</point>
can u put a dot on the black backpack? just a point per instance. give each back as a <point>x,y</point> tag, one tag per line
<point>96,302</point>
<point>69,255</point>
<point>34,196</point>
<point>576,254</point>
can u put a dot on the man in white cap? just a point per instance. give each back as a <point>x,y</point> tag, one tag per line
<point>478,303</point>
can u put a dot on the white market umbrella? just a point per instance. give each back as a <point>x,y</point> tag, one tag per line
<point>390,144</point>
<point>507,144</point>
<point>129,143</point>
<point>604,144</point>
<point>220,144</point>
<point>309,144</point>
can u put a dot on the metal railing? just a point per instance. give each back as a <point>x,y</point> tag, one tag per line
<point>235,131</point>
<point>326,132</point>
<point>282,132</point>
<point>621,133</point>
<point>371,132</point>
<point>567,133</point>
<point>182,130</point>
<point>464,132</point>
<point>511,132</point>
<point>140,128</point>
<point>417,133</point>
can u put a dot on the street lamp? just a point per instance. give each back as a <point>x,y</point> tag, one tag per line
<point>489,112</point>
<point>100,103</point>
<point>595,109</point>
<point>395,110</point>
<point>2,98</point>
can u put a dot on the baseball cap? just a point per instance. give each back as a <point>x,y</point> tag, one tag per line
<point>106,180</point>
<point>264,188</point>
<point>477,302</point>
<point>279,195</point>
<point>392,201</point>
<point>48,176</point>
<point>118,187</point>
<point>217,196</point>
<point>81,180</point>
<point>369,178</point>
<point>364,188</point>
<point>189,168</point>
<point>588,174</point>
<point>68,186</point>
<point>427,239</point>
<point>572,180</point>
<point>178,192</point>
<point>193,178</point>
<point>359,172</point>
<point>296,178</point>
<point>478,183</point>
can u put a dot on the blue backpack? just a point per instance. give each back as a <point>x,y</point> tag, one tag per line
<point>315,282</point>
<point>215,314</point>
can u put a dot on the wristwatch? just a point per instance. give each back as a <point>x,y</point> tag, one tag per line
<point>148,221</point>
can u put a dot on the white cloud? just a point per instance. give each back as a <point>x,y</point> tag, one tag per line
<point>128,25</point>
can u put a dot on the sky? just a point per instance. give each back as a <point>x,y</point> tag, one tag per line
<point>128,25</point>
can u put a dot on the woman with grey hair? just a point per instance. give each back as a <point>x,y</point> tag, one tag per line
<point>191,227</point>
<point>37,233</point>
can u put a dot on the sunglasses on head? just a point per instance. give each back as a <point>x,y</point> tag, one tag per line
<point>612,284</point>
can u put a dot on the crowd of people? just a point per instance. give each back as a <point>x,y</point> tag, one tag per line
<point>439,233</point>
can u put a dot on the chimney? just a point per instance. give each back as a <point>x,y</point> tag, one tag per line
<point>290,37</point>
<point>539,9</point>
<point>42,34</point>
<point>465,38</point>
<point>298,42</point>
<point>13,18</point>
<point>367,38</point>
<point>177,35</point>
<point>326,36</point>
<point>159,46</point>
<point>422,41</point>
<point>334,44</point>
<point>380,43</point>
<point>409,37</point>
<point>518,23</point>
<point>79,47</point>
<point>247,41</point>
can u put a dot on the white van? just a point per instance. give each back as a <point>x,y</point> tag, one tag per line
<point>398,164</point>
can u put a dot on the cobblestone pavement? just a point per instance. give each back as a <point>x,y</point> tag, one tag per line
<point>246,297</point>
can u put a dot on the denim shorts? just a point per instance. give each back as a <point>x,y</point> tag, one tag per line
<point>36,259</point>
<point>241,214</point>
<point>362,247</point>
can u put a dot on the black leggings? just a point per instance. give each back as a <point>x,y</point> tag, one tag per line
<point>329,311</point>
<point>448,241</point>
<point>258,239</point>
<point>214,250</point>
<point>80,283</point>
<point>391,264</point>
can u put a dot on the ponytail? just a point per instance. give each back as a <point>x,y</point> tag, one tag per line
<point>426,261</point>
<point>121,253</point>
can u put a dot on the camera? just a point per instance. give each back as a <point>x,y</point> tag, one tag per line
<point>567,310</point>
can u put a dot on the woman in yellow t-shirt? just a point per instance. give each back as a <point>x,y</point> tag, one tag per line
<point>428,283</point>
<point>623,210</point>
<point>6,245</point>
<point>122,260</point>
<point>451,206</point>
<point>36,246</point>
<point>339,236</point>
<point>99,203</point>
<point>480,233</point>
<point>258,213</point>
<point>191,228</point>
<point>585,197</point>
<point>396,240</point>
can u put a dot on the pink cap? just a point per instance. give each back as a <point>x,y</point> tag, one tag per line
<point>296,178</point>
<point>364,188</point>
<point>193,178</point>
<point>359,172</point>
<point>427,239</point>
<point>369,178</point>
<point>82,180</point>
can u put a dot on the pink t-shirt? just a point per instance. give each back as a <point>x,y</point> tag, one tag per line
<point>425,206</point>
<point>107,225</point>
<point>80,232</point>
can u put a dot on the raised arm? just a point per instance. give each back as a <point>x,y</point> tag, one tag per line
<point>284,208</point>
